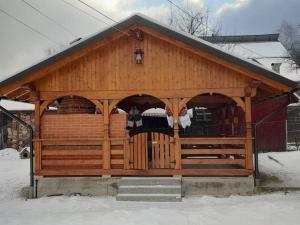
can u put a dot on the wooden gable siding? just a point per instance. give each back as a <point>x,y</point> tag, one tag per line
<point>166,67</point>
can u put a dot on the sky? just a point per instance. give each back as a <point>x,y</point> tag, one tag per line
<point>21,47</point>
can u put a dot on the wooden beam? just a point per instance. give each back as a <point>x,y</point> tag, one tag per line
<point>183,102</point>
<point>175,103</point>
<point>215,140</point>
<point>239,101</point>
<point>213,162</point>
<point>37,144</point>
<point>98,105</point>
<point>106,142</point>
<point>231,151</point>
<point>74,142</point>
<point>15,93</point>
<point>66,162</point>
<point>44,106</point>
<point>24,97</point>
<point>116,96</point>
<point>249,142</point>
<point>156,172</point>
<point>82,152</point>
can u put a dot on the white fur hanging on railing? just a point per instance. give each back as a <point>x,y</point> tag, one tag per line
<point>184,118</point>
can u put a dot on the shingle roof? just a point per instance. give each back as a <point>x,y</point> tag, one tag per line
<point>180,36</point>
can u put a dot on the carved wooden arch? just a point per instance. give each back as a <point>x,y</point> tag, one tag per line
<point>115,102</point>
<point>46,103</point>
<point>238,100</point>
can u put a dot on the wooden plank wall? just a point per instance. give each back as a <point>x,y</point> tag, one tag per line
<point>112,67</point>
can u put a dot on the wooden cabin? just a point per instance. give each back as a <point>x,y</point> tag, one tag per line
<point>92,86</point>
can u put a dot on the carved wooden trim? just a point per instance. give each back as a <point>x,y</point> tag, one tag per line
<point>98,105</point>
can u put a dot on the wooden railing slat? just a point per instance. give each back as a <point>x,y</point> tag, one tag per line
<point>212,161</point>
<point>209,140</point>
<point>71,162</point>
<point>212,151</point>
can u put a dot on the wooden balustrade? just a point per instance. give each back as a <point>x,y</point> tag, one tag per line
<point>199,153</point>
<point>199,156</point>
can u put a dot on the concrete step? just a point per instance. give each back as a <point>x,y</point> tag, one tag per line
<point>150,197</point>
<point>150,181</point>
<point>151,189</point>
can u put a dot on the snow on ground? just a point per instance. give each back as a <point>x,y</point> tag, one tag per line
<point>266,209</point>
<point>285,166</point>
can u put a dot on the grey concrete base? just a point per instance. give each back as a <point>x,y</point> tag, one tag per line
<point>93,186</point>
<point>217,186</point>
<point>108,186</point>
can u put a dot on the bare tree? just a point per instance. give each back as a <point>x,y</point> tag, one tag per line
<point>193,19</point>
<point>290,38</point>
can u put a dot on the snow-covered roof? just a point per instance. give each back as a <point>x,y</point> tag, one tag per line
<point>265,53</point>
<point>16,106</point>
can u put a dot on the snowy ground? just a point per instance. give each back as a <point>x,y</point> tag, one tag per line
<point>278,208</point>
<point>282,169</point>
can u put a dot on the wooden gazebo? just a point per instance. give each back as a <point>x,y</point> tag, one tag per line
<point>146,65</point>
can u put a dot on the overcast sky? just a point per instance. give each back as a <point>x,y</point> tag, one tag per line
<point>21,47</point>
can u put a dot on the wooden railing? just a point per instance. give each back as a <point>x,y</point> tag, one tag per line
<point>78,154</point>
<point>199,156</point>
<point>67,154</point>
<point>223,152</point>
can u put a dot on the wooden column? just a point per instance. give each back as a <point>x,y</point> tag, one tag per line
<point>127,151</point>
<point>106,142</point>
<point>176,133</point>
<point>249,142</point>
<point>37,136</point>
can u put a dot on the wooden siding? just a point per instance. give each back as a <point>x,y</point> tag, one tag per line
<point>166,67</point>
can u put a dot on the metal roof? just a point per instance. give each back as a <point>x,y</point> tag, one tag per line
<point>242,38</point>
<point>145,21</point>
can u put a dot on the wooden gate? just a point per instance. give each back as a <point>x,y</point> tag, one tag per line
<point>163,151</point>
<point>161,154</point>
<point>138,156</point>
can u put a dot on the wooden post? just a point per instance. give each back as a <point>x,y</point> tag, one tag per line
<point>249,142</point>
<point>106,142</point>
<point>37,135</point>
<point>176,134</point>
<point>127,151</point>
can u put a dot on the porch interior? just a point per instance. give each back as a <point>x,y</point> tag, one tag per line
<point>76,141</point>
